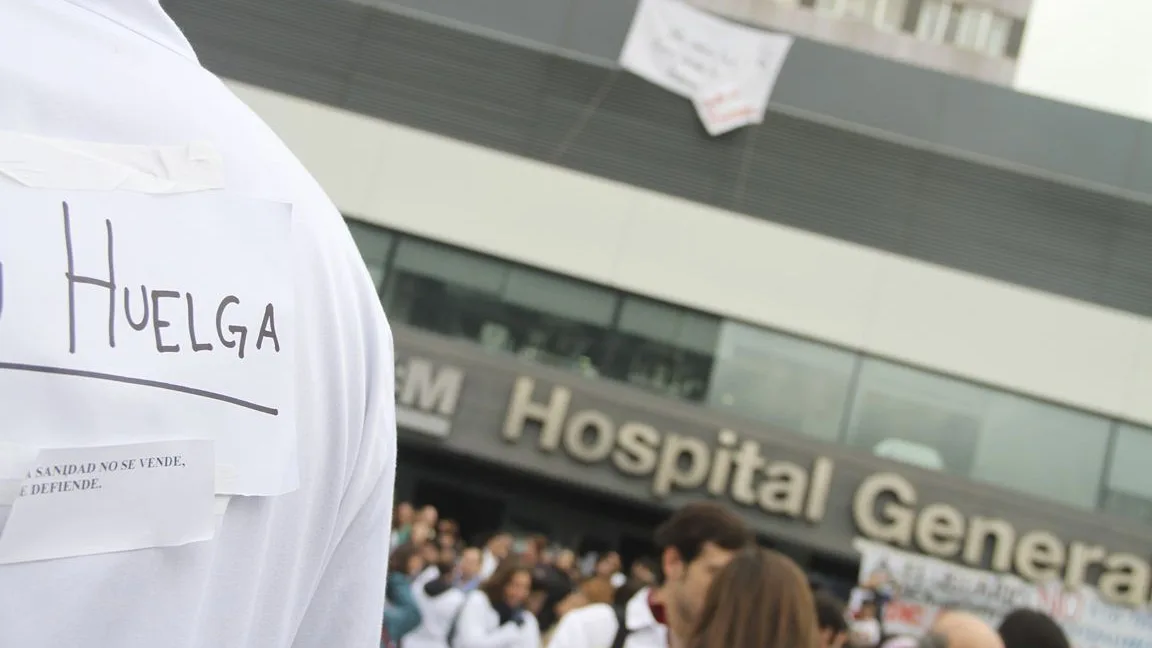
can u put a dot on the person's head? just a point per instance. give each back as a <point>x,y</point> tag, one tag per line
<point>429,515</point>
<point>403,515</point>
<point>597,590</point>
<point>607,564</point>
<point>421,532</point>
<point>470,561</point>
<point>533,550</point>
<point>830,617</point>
<point>593,590</point>
<point>510,584</point>
<point>965,630</point>
<point>760,598</point>
<point>430,553</point>
<point>644,570</point>
<point>406,559</point>
<point>1032,629</point>
<point>565,560</point>
<point>448,527</point>
<point>447,555</point>
<point>695,544</point>
<point>500,545</point>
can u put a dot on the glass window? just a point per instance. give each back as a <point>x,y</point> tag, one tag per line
<point>662,348</point>
<point>1129,481</point>
<point>787,382</point>
<point>945,424</point>
<point>932,24</point>
<point>506,308</point>
<point>883,14</point>
<point>375,245</point>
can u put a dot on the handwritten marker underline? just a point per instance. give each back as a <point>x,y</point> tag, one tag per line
<point>142,382</point>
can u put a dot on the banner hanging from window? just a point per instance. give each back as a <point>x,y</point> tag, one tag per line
<point>726,70</point>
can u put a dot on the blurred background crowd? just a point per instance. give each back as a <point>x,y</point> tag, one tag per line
<point>710,585</point>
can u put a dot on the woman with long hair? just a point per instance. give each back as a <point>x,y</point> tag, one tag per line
<point>401,613</point>
<point>760,600</point>
<point>495,616</point>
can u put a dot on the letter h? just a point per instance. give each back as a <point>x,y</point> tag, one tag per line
<point>550,415</point>
<point>73,279</point>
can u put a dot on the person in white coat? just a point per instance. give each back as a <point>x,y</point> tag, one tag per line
<point>116,99</point>
<point>439,604</point>
<point>494,615</point>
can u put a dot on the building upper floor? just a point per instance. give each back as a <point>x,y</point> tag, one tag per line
<point>521,75</point>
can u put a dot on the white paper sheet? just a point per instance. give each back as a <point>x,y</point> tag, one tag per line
<point>727,70</point>
<point>84,501</point>
<point>195,340</point>
<point>67,164</point>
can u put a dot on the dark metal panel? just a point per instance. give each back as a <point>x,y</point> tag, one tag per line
<point>598,29</point>
<point>832,182</point>
<point>542,21</point>
<point>862,90</point>
<point>1041,134</point>
<point>468,87</point>
<point>303,47</point>
<point>1140,171</point>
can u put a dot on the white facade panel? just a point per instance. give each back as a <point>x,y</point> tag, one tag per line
<point>721,262</point>
<point>1093,53</point>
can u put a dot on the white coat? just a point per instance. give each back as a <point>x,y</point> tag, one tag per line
<point>479,627</point>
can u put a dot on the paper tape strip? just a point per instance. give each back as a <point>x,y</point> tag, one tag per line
<point>47,163</point>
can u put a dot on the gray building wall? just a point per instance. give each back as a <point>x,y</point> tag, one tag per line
<point>470,419</point>
<point>933,167</point>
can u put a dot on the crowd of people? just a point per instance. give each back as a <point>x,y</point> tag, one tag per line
<point>709,586</point>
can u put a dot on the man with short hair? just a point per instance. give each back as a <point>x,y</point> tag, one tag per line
<point>468,571</point>
<point>830,615</point>
<point>695,544</point>
<point>1024,628</point>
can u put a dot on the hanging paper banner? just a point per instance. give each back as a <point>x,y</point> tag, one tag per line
<point>727,70</point>
<point>924,586</point>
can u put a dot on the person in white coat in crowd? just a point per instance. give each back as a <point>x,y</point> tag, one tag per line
<point>494,616</point>
<point>439,604</point>
<point>498,547</point>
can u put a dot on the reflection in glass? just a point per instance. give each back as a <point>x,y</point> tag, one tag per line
<point>1128,484</point>
<point>375,245</point>
<point>936,422</point>
<point>663,349</point>
<point>538,317</point>
<point>791,384</point>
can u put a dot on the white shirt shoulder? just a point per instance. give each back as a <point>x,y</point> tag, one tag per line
<point>591,625</point>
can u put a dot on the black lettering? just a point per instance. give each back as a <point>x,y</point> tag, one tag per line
<point>241,331</point>
<point>128,309</point>
<point>268,329</point>
<point>196,346</point>
<point>158,323</point>
<point>73,279</point>
<point>224,304</point>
